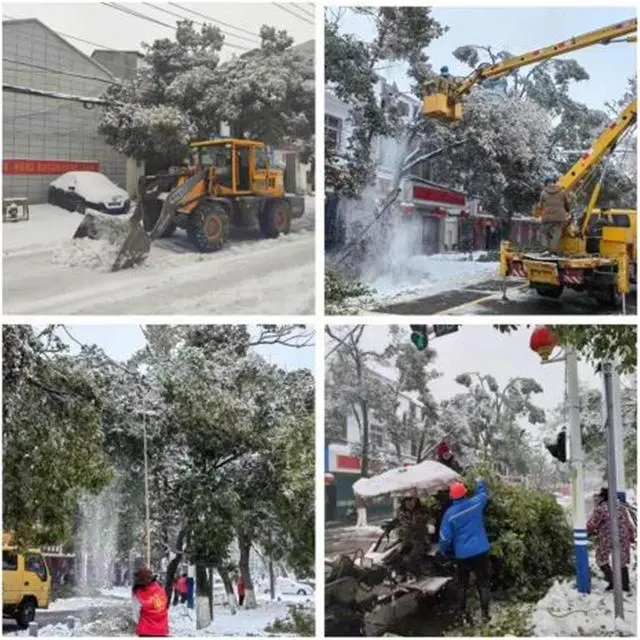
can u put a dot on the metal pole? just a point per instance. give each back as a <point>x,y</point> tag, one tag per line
<point>613,498</point>
<point>583,576</point>
<point>618,440</point>
<point>146,489</point>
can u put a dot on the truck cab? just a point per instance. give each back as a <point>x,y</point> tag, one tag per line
<point>26,584</point>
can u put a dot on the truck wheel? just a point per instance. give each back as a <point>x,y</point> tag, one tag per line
<point>275,219</point>
<point>549,291</point>
<point>208,227</point>
<point>26,613</point>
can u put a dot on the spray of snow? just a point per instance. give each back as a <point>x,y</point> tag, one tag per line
<point>97,537</point>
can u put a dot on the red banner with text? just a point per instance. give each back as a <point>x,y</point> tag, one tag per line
<point>46,167</point>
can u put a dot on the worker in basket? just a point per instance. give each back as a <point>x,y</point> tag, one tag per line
<point>555,205</point>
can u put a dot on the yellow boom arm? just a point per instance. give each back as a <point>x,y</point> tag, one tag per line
<point>603,145</point>
<point>447,106</point>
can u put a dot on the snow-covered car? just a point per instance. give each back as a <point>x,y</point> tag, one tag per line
<point>81,190</point>
<point>288,587</point>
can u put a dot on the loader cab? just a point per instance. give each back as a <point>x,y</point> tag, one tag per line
<point>241,166</point>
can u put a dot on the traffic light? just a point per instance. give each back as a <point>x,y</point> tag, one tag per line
<point>419,336</point>
<point>559,449</point>
<point>440,330</point>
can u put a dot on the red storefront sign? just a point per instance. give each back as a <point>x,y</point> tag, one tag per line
<point>442,196</point>
<point>45,167</point>
<point>347,462</point>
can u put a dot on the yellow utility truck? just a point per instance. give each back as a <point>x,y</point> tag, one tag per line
<point>229,183</point>
<point>598,255</point>
<point>26,582</point>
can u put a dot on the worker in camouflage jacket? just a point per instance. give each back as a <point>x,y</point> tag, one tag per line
<point>599,525</point>
<point>412,532</point>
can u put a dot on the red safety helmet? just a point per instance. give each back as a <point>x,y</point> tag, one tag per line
<point>457,490</point>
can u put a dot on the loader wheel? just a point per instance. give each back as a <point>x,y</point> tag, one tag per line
<point>275,219</point>
<point>208,227</point>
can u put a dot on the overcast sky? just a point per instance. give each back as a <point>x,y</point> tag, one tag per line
<point>110,28</point>
<point>522,29</point>
<point>487,351</point>
<point>121,341</point>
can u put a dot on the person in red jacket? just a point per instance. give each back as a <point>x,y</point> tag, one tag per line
<point>152,605</point>
<point>181,589</point>
<point>241,590</point>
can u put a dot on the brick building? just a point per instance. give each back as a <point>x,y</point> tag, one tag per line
<point>43,136</point>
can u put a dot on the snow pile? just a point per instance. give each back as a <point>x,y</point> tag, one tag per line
<point>565,612</point>
<point>98,255</point>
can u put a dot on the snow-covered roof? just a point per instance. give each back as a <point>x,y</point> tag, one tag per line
<point>425,477</point>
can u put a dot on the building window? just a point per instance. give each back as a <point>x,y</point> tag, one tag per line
<point>414,447</point>
<point>376,435</point>
<point>332,132</point>
<point>403,109</point>
<point>412,412</point>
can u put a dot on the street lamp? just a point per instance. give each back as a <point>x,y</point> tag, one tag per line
<point>543,341</point>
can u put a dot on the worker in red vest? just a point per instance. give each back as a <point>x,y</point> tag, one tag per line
<point>241,590</point>
<point>151,605</point>
<point>181,590</point>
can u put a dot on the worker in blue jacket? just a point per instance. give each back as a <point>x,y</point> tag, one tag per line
<point>463,536</point>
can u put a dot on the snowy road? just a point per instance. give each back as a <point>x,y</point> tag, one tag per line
<point>485,298</point>
<point>46,272</point>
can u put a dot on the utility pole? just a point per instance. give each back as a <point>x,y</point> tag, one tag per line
<point>618,440</point>
<point>146,486</point>
<point>583,575</point>
<point>607,378</point>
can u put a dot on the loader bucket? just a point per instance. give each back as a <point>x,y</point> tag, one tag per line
<point>128,235</point>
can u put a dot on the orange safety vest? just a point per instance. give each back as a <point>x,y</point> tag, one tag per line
<point>154,613</point>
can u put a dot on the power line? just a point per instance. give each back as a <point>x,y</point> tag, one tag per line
<point>301,8</point>
<point>60,71</point>
<point>29,91</point>
<point>285,8</point>
<point>131,12</point>
<point>226,33</point>
<point>226,24</point>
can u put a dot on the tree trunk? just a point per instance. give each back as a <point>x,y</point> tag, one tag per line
<point>228,589</point>
<point>169,579</point>
<point>272,580</point>
<point>250,594</point>
<point>204,597</point>
<point>361,511</point>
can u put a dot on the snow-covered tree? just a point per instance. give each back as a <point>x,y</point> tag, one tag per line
<point>183,92</point>
<point>352,73</point>
<point>52,435</point>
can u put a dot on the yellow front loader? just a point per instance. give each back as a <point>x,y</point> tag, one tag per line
<point>228,184</point>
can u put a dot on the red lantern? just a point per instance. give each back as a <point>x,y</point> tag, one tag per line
<point>329,479</point>
<point>543,341</point>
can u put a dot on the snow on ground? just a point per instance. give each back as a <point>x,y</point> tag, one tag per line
<point>79,603</point>
<point>565,612</point>
<point>421,276</point>
<point>427,275</point>
<point>45,271</point>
